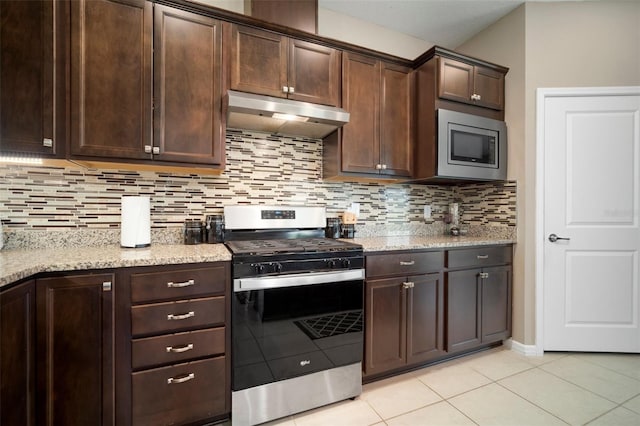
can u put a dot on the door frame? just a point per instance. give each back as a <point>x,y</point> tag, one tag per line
<point>542,94</point>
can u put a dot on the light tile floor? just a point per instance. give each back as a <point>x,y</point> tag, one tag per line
<point>496,387</point>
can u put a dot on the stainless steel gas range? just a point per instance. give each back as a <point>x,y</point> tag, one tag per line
<point>297,312</point>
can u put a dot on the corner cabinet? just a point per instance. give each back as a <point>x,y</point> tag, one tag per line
<point>377,141</point>
<point>75,317</point>
<point>271,64</point>
<point>32,78</point>
<point>17,355</point>
<point>479,288</point>
<point>117,99</point>
<point>404,310</point>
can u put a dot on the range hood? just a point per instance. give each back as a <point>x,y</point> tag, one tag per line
<point>282,116</point>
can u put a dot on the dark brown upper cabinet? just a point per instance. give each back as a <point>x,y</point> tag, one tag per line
<point>270,64</point>
<point>32,77</point>
<point>117,81</point>
<point>377,141</point>
<point>471,84</point>
<point>111,79</point>
<point>298,14</point>
<point>187,88</point>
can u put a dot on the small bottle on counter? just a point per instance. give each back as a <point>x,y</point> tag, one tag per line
<point>193,231</point>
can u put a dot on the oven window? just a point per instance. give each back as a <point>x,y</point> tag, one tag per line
<point>473,147</point>
<point>287,332</point>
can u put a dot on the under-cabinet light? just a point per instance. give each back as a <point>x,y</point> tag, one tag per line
<point>20,160</point>
<point>289,117</point>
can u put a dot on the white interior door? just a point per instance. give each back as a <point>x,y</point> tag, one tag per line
<point>591,198</point>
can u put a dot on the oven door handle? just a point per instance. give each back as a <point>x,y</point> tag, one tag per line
<point>294,280</point>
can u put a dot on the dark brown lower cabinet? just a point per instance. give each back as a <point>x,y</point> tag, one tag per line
<point>75,343</point>
<point>17,355</point>
<point>404,322</point>
<point>478,307</point>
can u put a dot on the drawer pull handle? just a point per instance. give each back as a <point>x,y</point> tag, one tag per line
<point>484,275</point>
<point>176,380</point>
<point>189,283</point>
<point>482,256</point>
<point>408,285</point>
<point>410,263</point>
<point>178,317</point>
<point>180,349</point>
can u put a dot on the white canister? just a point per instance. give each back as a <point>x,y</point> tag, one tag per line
<point>135,222</point>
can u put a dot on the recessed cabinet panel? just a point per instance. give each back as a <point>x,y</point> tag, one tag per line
<point>496,304</point>
<point>258,61</point>
<point>32,114</point>
<point>463,310</point>
<point>385,337</point>
<point>489,86</point>
<point>425,316</point>
<point>314,73</point>
<point>456,80</point>
<point>111,78</point>
<point>396,131</point>
<point>361,97</point>
<point>187,87</point>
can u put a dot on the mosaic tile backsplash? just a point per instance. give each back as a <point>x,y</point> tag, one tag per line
<point>261,169</point>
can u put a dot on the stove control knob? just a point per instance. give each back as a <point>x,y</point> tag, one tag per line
<point>276,267</point>
<point>346,263</point>
<point>331,263</point>
<point>260,269</point>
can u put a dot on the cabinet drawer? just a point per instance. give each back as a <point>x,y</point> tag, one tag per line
<point>479,257</point>
<point>179,347</point>
<point>379,265</point>
<point>175,284</point>
<point>179,394</point>
<point>169,316</point>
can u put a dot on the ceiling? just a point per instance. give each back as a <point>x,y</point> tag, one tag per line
<point>446,23</point>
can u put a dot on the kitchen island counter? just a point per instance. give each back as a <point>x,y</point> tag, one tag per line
<point>23,263</point>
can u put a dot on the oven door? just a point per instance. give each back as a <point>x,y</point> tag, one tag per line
<point>281,331</point>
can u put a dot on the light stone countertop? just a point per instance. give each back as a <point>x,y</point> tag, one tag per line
<point>17,264</point>
<point>413,242</point>
<point>22,263</point>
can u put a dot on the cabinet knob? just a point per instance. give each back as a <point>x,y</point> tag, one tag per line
<point>292,89</point>
<point>484,275</point>
<point>47,142</point>
<point>147,149</point>
<point>384,167</point>
<point>408,284</point>
<point>156,150</point>
<point>285,89</point>
<point>476,97</point>
<point>378,166</point>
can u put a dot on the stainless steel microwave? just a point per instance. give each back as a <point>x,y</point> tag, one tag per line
<point>471,147</point>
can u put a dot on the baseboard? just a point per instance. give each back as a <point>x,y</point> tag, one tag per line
<point>521,348</point>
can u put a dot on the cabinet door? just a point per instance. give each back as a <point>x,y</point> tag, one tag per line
<point>489,86</point>
<point>455,80</point>
<point>425,318</point>
<point>75,343</point>
<point>31,111</point>
<point>187,87</point>
<point>314,73</point>
<point>463,310</point>
<point>111,78</point>
<point>385,316</point>
<point>258,61</point>
<point>361,97</point>
<point>496,304</point>
<point>17,356</point>
<point>396,134</point>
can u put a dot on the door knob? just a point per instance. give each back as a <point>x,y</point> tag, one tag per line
<point>553,238</point>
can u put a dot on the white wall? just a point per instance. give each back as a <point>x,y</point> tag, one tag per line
<point>567,44</point>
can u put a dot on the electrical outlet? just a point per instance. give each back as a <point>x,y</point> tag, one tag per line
<point>427,212</point>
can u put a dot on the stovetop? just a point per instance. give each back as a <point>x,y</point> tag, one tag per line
<point>283,246</point>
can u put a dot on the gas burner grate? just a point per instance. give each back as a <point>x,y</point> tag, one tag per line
<point>331,325</point>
